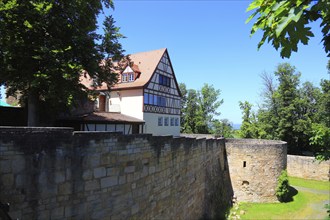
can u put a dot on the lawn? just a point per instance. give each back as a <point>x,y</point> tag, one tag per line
<point>305,204</point>
<point>312,184</point>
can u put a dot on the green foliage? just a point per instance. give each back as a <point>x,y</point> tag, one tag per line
<point>327,206</point>
<point>249,128</point>
<point>199,109</point>
<point>285,22</point>
<point>282,189</point>
<point>295,113</point>
<point>320,138</point>
<point>222,128</point>
<point>45,45</point>
<point>287,95</point>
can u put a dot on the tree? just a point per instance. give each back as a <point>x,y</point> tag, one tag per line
<point>184,92</point>
<point>199,108</point>
<point>189,112</point>
<point>208,105</point>
<point>285,22</point>
<point>267,115</point>
<point>320,132</point>
<point>287,95</point>
<point>295,113</point>
<point>222,128</point>
<point>249,127</point>
<point>45,45</point>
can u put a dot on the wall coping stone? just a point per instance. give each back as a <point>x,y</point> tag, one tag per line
<point>254,142</point>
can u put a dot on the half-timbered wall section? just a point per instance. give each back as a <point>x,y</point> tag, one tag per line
<point>161,94</point>
<point>161,100</point>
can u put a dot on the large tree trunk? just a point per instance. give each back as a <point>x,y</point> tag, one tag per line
<point>33,101</point>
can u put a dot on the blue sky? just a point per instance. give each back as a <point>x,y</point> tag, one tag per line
<point>209,42</point>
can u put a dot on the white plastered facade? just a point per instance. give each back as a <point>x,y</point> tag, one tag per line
<point>152,126</point>
<point>128,102</point>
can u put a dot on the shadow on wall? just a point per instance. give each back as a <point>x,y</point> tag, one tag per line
<point>218,183</point>
<point>4,209</point>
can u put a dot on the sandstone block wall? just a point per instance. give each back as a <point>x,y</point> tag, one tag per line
<point>60,174</point>
<point>308,168</point>
<point>254,167</point>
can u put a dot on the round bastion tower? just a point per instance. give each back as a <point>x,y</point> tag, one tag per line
<point>254,168</point>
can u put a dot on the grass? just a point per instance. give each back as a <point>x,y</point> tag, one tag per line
<point>312,184</point>
<point>299,208</point>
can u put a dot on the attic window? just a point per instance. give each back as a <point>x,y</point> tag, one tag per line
<point>124,77</point>
<point>127,77</point>
<point>131,77</point>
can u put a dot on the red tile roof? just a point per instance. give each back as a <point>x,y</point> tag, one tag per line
<point>144,62</point>
<point>105,117</point>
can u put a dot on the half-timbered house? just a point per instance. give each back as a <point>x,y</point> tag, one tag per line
<point>147,90</point>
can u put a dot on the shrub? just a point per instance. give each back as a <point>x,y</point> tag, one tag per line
<point>282,189</point>
<point>327,206</point>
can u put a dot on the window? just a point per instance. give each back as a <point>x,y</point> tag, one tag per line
<point>164,81</point>
<point>160,121</point>
<point>155,100</point>
<point>151,99</point>
<point>161,79</point>
<point>159,100</point>
<point>176,121</point>
<point>166,121</point>
<point>146,98</point>
<point>131,77</point>
<point>172,121</point>
<point>244,163</point>
<point>163,102</point>
<point>124,77</point>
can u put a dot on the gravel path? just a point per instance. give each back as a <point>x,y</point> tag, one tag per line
<point>319,211</point>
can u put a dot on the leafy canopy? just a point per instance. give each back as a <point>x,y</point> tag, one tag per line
<point>45,45</point>
<point>199,108</point>
<point>285,22</point>
<point>293,112</point>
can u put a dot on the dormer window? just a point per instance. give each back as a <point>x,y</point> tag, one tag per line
<point>131,77</point>
<point>130,74</point>
<point>124,77</point>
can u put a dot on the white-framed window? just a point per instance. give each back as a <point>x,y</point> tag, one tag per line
<point>124,77</point>
<point>172,121</point>
<point>160,121</point>
<point>131,77</point>
<point>165,121</point>
<point>176,121</point>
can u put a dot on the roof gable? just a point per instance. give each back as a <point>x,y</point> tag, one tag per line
<point>145,63</point>
<point>164,75</point>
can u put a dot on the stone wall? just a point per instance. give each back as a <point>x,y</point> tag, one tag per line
<point>308,168</point>
<point>254,167</point>
<point>53,173</point>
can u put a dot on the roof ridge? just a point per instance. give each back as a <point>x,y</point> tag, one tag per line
<point>149,51</point>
